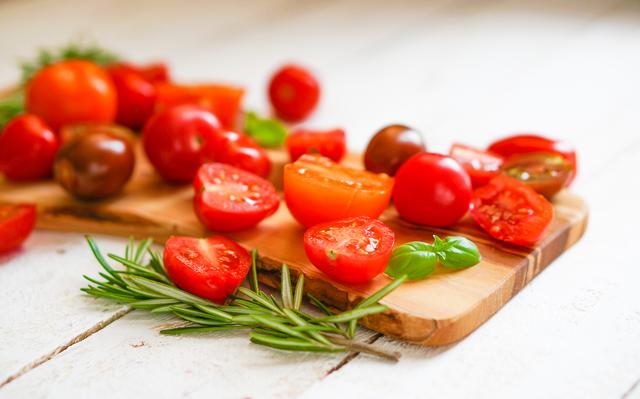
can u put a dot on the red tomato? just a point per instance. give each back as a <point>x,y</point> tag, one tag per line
<point>526,143</point>
<point>330,143</point>
<point>136,97</point>
<point>432,189</point>
<point>210,268</point>
<point>224,101</point>
<point>481,166</point>
<point>511,211</point>
<point>152,73</point>
<point>27,149</point>
<point>230,199</point>
<point>178,140</point>
<point>72,92</point>
<point>294,93</point>
<point>239,150</point>
<point>352,250</point>
<point>16,223</point>
<point>318,190</point>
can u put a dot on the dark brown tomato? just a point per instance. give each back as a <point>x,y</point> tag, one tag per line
<point>546,173</point>
<point>390,147</point>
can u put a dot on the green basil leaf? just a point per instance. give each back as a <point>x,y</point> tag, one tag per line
<point>459,253</point>
<point>266,132</point>
<point>415,259</point>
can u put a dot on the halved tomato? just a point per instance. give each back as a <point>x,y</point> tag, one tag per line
<point>481,166</point>
<point>16,224</point>
<point>544,172</point>
<point>330,143</point>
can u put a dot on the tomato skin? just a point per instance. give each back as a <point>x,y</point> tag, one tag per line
<point>331,143</point>
<point>16,224</point>
<point>73,91</point>
<point>231,199</point>
<point>240,150</point>
<point>153,73</point>
<point>27,149</point>
<point>136,97</point>
<point>481,166</point>
<point>177,141</point>
<point>318,190</point>
<point>511,211</point>
<point>211,268</point>
<point>432,189</point>
<point>353,250</point>
<point>294,92</point>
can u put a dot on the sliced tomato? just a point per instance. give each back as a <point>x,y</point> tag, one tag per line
<point>223,100</point>
<point>511,211</point>
<point>240,150</point>
<point>16,224</point>
<point>210,268</point>
<point>317,190</point>
<point>330,143</point>
<point>481,166</point>
<point>230,199</point>
<point>352,250</point>
<point>544,172</point>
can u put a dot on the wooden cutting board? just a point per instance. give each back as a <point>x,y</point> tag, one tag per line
<point>439,310</point>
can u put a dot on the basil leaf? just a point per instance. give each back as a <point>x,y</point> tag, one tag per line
<point>458,253</point>
<point>266,132</point>
<point>415,259</point>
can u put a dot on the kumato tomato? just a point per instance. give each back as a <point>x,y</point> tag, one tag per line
<point>392,146</point>
<point>546,173</point>
<point>294,93</point>
<point>481,166</point>
<point>330,143</point>
<point>16,224</point>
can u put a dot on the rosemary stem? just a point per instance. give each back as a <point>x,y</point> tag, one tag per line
<point>363,347</point>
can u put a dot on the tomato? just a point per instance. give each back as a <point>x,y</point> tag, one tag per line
<point>318,190</point>
<point>230,199</point>
<point>432,189</point>
<point>481,166</point>
<point>511,211</point>
<point>136,96</point>
<point>390,147</point>
<point>178,140</point>
<point>294,93</point>
<point>16,224</point>
<point>330,143</point>
<point>152,73</point>
<point>27,149</point>
<point>211,268</point>
<point>224,101</point>
<point>72,92</point>
<point>241,151</point>
<point>525,143</point>
<point>352,250</point>
<point>544,172</point>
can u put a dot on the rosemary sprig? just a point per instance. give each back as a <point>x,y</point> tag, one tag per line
<point>277,323</point>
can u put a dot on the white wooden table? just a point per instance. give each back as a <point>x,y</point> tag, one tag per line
<point>469,71</point>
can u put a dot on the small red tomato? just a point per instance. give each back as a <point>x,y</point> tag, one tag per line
<point>481,166</point>
<point>294,93</point>
<point>211,268</point>
<point>511,211</point>
<point>432,189</point>
<point>330,143</point>
<point>177,141</point>
<point>239,150</point>
<point>16,223</point>
<point>27,149</point>
<point>152,73</point>
<point>230,199</point>
<point>136,97</point>
<point>352,250</point>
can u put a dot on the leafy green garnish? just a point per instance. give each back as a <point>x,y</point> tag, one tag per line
<point>266,132</point>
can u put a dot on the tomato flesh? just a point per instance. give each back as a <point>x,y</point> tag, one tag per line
<point>16,224</point>
<point>544,172</point>
<point>511,211</point>
<point>481,166</point>
<point>294,93</point>
<point>330,143</point>
<point>211,268</point>
<point>353,250</point>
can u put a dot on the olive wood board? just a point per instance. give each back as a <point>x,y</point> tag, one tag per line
<point>438,310</point>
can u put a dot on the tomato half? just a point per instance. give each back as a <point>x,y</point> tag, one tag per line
<point>230,199</point>
<point>432,189</point>
<point>352,250</point>
<point>544,172</point>
<point>240,150</point>
<point>16,224</point>
<point>318,190</point>
<point>27,149</point>
<point>481,166</point>
<point>511,211</point>
<point>136,96</point>
<point>72,92</point>
<point>331,143</point>
<point>294,93</point>
<point>210,268</point>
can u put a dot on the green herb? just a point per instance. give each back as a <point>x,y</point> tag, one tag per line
<point>456,252</point>
<point>11,106</point>
<point>277,323</point>
<point>267,132</point>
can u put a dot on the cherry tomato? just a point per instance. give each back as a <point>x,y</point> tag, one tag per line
<point>152,73</point>
<point>544,172</point>
<point>211,268</point>
<point>239,150</point>
<point>330,143</point>
<point>224,101</point>
<point>136,96</point>
<point>178,140</point>
<point>525,143</point>
<point>481,166</point>
<point>390,147</point>
<point>230,199</point>
<point>27,149</point>
<point>16,224</point>
<point>318,190</point>
<point>294,93</point>
<point>511,211</point>
<point>352,250</point>
<point>72,92</point>
<point>432,189</point>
